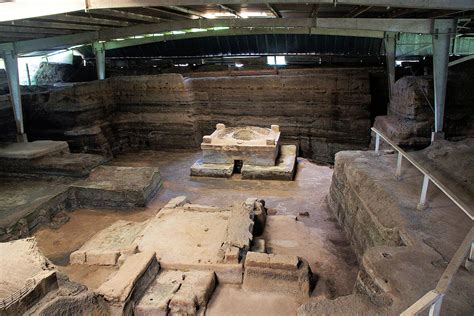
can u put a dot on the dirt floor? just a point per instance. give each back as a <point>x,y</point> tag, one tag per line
<point>315,235</point>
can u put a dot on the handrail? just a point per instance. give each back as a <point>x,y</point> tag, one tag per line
<point>17,295</point>
<point>461,204</point>
<point>434,298</point>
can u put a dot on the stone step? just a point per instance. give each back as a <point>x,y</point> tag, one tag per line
<point>178,293</point>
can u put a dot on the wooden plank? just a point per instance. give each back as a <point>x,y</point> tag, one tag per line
<point>422,304</point>
<point>457,260</point>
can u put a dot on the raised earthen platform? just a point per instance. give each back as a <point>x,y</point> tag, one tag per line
<point>403,251</point>
<point>33,150</point>
<point>46,158</point>
<point>28,203</point>
<point>120,187</point>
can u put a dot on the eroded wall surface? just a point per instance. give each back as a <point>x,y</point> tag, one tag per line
<point>323,111</point>
<point>410,118</point>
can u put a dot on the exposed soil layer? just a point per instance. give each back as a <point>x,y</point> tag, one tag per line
<point>322,111</point>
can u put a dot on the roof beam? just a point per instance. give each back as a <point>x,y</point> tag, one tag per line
<point>23,9</point>
<point>274,10</point>
<point>233,32</point>
<point>315,11</point>
<point>38,30</point>
<point>84,20</point>
<point>21,35</point>
<point>53,25</point>
<point>230,10</point>
<point>168,12</point>
<point>460,60</point>
<point>358,11</point>
<point>188,11</point>
<point>126,15</point>
<point>424,26</point>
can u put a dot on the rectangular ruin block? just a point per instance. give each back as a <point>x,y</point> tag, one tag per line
<point>33,150</point>
<point>253,145</point>
<point>260,276</point>
<point>232,255</point>
<point>129,283</point>
<point>200,169</point>
<point>257,259</point>
<point>177,201</point>
<point>284,262</point>
<point>106,246</point>
<point>121,187</point>
<point>177,293</point>
<point>283,170</point>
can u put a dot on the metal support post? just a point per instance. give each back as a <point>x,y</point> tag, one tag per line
<point>424,190</point>
<point>390,42</point>
<point>11,65</point>
<point>399,166</point>
<point>435,309</point>
<point>377,143</point>
<point>99,51</point>
<point>443,30</point>
<point>469,265</point>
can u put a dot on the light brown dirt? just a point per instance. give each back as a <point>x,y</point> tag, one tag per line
<point>316,237</point>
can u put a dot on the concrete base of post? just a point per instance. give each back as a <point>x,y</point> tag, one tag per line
<point>469,265</point>
<point>437,136</point>
<point>21,138</point>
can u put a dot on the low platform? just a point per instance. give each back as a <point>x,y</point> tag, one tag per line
<point>200,169</point>
<point>25,204</point>
<point>45,158</point>
<point>129,283</point>
<point>105,247</point>
<point>33,150</point>
<point>191,237</point>
<point>177,293</point>
<point>118,187</point>
<point>283,170</point>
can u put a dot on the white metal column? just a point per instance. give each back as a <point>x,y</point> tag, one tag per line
<point>11,65</point>
<point>99,51</point>
<point>469,265</point>
<point>443,30</point>
<point>390,42</point>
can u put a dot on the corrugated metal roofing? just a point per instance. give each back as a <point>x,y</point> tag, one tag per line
<point>254,45</point>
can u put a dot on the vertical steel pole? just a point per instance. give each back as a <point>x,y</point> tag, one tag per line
<point>390,42</point>
<point>99,51</point>
<point>470,258</point>
<point>424,190</point>
<point>399,166</point>
<point>377,142</point>
<point>11,65</point>
<point>443,30</point>
<point>436,307</point>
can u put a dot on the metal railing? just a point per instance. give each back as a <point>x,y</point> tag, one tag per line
<point>17,295</point>
<point>465,253</point>
<point>434,298</point>
<point>426,179</point>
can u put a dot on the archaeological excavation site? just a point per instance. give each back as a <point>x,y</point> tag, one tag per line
<point>236,157</point>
